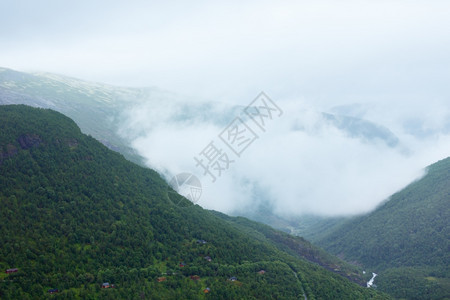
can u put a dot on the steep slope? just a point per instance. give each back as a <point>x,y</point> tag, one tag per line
<point>76,215</point>
<point>297,246</point>
<point>407,239</point>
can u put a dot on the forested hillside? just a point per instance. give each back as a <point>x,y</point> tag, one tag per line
<point>297,246</point>
<point>406,240</point>
<point>76,215</point>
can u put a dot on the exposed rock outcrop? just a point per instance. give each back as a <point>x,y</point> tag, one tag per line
<point>27,141</point>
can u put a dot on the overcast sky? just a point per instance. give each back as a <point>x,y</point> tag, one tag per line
<point>390,57</point>
<point>231,50</point>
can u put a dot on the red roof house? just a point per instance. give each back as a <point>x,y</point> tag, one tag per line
<point>14,270</point>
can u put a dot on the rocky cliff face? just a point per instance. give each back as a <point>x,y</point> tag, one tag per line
<point>25,141</point>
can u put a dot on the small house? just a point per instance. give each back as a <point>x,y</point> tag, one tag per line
<point>13,270</point>
<point>182,264</point>
<point>195,277</point>
<point>161,279</point>
<point>233,278</point>
<point>207,290</point>
<point>261,272</point>
<point>106,285</point>
<point>208,258</point>
<point>53,291</point>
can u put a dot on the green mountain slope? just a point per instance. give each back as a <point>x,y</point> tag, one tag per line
<point>75,215</point>
<point>406,240</point>
<point>297,246</point>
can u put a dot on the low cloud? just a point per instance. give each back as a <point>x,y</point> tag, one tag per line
<point>302,163</point>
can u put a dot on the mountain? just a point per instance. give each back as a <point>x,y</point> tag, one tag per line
<point>99,109</point>
<point>95,107</point>
<point>310,227</point>
<point>297,246</point>
<point>362,129</point>
<point>406,240</point>
<point>76,216</point>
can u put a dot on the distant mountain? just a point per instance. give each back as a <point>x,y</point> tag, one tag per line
<point>95,107</point>
<point>406,240</point>
<point>362,129</point>
<point>99,108</point>
<point>80,221</point>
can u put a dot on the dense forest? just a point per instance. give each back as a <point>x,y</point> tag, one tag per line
<point>76,216</point>
<point>406,240</point>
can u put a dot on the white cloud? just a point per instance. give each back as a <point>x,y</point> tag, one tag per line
<point>224,51</point>
<point>301,164</point>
